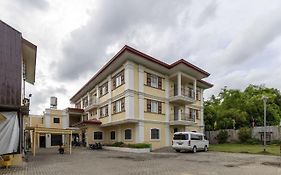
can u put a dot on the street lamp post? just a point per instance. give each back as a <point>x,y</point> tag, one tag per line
<point>264,98</point>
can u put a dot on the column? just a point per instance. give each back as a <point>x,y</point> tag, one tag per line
<point>179,113</point>
<point>89,99</point>
<point>167,104</point>
<point>129,87</point>
<point>179,84</point>
<point>109,80</point>
<point>194,88</point>
<point>140,132</point>
<point>167,133</point>
<point>202,108</point>
<point>141,96</point>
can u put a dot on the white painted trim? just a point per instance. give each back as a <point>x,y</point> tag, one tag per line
<point>159,134</point>
<point>131,150</point>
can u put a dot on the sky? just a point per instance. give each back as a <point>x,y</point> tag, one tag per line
<point>237,42</point>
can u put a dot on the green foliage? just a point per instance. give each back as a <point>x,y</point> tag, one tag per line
<point>244,135</point>
<point>276,142</point>
<point>253,141</point>
<point>234,109</point>
<point>118,144</point>
<point>139,145</point>
<point>222,136</point>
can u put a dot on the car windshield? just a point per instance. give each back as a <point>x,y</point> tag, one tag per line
<point>181,137</point>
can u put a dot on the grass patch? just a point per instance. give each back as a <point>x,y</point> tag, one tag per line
<point>137,145</point>
<point>245,148</point>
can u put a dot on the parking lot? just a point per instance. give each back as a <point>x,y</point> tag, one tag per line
<point>84,161</point>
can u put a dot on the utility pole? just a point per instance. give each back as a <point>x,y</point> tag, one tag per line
<point>264,98</point>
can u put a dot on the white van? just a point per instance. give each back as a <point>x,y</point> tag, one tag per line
<point>190,141</point>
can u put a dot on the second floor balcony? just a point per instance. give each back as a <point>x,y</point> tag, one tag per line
<point>182,95</point>
<point>182,118</point>
<point>93,103</point>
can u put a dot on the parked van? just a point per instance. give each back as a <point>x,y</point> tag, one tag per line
<point>190,141</point>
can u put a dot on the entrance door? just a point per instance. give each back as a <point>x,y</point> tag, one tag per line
<point>42,141</point>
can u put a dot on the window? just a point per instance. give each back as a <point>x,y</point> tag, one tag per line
<point>56,120</point>
<point>154,134</point>
<point>197,114</point>
<point>104,111</point>
<point>118,80</point>
<point>112,135</point>
<point>103,89</point>
<point>154,81</point>
<point>154,106</point>
<point>128,134</point>
<point>180,137</point>
<point>119,106</point>
<point>196,137</point>
<point>98,135</point>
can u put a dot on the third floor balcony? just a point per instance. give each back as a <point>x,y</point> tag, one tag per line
<point>93,103</point>
<point>182,95</point>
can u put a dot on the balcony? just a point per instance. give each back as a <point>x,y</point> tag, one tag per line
<point>186,95</point>
<point>182,118</point>
<point>93,103</point>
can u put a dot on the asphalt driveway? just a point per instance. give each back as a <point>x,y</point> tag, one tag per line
<point>84,161</point>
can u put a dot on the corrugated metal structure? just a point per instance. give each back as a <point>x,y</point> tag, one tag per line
<point>10,67</point>
<point>17,66</point>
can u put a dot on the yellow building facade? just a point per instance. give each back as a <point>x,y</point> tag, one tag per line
<point>139,99</point>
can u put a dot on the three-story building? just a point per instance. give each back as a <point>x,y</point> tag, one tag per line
<point>136,98</point>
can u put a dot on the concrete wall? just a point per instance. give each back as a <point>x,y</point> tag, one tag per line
<point>233,134</point>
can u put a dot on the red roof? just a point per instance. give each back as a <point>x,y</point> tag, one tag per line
<point>145,56</point>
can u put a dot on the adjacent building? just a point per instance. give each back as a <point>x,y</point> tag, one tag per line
<point>135,98</point>
<point>17,66</point>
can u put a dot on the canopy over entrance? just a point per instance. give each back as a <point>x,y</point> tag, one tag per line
<point>36,131</point>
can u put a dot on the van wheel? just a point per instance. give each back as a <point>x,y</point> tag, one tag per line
<point>194,149</point>
<point>177,150</point>
<point>205,148</point>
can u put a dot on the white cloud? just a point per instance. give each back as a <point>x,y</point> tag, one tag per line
<point>236,41</point>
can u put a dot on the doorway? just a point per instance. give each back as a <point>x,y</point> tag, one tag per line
<point>42,141</point>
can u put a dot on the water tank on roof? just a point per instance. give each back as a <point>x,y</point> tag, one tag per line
<point>53,102</point>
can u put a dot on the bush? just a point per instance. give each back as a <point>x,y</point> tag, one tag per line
<point>253,141</point>
<point>222,136</point>
<point>139,145</point>
<point>118,144</point>
<point>244,134</point>
<point>276,142</point>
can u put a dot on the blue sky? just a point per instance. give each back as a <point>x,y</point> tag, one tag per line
<point>238,42</point>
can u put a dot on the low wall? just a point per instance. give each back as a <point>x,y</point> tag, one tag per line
<point>130,150</point>
<point>275,132</point>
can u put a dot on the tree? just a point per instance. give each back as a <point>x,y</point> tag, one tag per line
<point>233,108</point>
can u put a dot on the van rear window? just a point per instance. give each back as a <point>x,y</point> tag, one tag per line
<point>181,137</point>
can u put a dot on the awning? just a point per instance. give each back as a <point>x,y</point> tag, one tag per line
<point>29,51</point>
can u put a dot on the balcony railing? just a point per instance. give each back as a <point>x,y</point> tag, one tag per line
<point>185,91</point>
<point>93,101</point>
<point>182,117</point>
